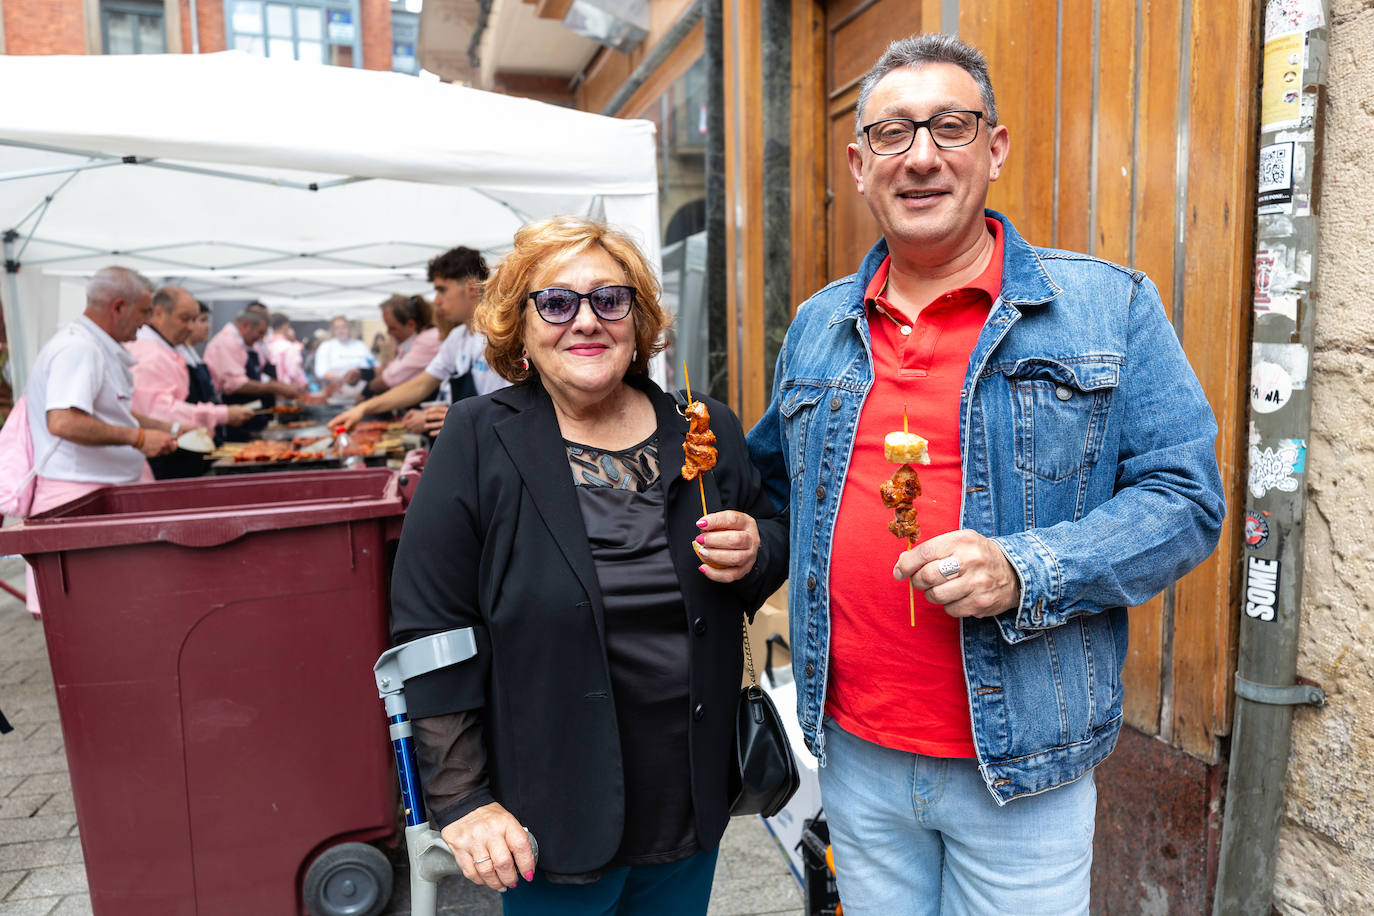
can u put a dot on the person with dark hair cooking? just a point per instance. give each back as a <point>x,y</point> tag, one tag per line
<point>457,275</point>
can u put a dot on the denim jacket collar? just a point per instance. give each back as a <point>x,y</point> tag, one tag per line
<point>1024,280</point>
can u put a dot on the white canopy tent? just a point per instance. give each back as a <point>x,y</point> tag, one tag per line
<point>315,189</point>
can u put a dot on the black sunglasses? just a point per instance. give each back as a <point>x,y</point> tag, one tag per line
<point>559,306</point>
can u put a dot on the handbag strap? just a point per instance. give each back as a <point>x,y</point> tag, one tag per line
<point>748,655</point>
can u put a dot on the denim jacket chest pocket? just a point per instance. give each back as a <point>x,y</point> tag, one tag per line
<point>804,424</point>
<point>1059,412</point>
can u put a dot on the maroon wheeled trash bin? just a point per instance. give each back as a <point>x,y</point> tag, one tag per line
<point>211,644</point>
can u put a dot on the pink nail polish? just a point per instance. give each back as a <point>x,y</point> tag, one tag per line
<point>529,875</point>
<point>701,539</point>
<point>702,523</point>
<point>701,568</point>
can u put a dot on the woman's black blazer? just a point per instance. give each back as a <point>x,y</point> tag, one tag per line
<point>494,540</point>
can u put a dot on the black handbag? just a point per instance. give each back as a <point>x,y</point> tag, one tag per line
<point>763,772</point>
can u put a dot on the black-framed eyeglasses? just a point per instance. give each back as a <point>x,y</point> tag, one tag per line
<point>948,130</point>
<point>559,306</point>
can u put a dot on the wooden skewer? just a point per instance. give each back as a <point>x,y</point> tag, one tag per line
<point>910,589</point>
<point>687,376</point>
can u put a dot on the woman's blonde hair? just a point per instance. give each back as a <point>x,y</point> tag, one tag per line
<point>541,246</point>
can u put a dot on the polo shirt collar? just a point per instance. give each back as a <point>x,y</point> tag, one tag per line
<point>989,281</point>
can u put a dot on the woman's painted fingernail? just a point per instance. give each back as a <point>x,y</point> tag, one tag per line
<point>529,875</point>
<point>702,523</point>
<point>701,568</point>
<point>701,539</point>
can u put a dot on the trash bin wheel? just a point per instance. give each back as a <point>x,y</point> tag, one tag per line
<point>351,879</point>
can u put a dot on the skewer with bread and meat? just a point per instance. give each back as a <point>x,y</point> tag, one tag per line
<point>899,494</point>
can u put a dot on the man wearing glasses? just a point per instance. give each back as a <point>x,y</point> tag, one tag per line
<point>1072,475</point>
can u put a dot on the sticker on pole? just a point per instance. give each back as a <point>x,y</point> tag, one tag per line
<point>1261,588</point>
<point>1274,281</point>
<point>1271,387</point>
<point>1272,468</point>
<point>1256,530</point>
<point>1279,370</point>
<point>1275,188</point>
<point>1290,17</point>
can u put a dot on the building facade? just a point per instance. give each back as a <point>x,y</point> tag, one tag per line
<point>375,34</point>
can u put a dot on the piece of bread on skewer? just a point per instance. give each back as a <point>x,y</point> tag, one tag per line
<point>905,448</point>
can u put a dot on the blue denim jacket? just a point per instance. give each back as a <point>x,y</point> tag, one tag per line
<point>1087,454</point>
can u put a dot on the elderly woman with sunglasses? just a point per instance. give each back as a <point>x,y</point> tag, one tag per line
<point>600,708</point>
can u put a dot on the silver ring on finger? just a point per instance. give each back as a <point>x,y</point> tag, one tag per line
<point>481,860</point>
<point>949,567</point>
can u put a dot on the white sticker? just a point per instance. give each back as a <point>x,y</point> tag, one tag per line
<point>1276,178</point>
<point>1272,469</point>
<point>1261,588</point>
<point>1283,305</point>
<point>1270,387</point>
<point>1292,357</point>
<point>1285,17</point>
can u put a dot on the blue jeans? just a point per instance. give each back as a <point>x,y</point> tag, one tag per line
<point>677,889</point>
<point>922,835</point>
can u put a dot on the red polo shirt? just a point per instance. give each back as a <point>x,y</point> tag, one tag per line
<point>891,683</point>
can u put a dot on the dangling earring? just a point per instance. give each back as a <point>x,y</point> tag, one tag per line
<point>525,363</point>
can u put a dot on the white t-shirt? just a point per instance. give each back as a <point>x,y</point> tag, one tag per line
<point>337,357</point>
<point>464,352</point>
<point>85,368</point>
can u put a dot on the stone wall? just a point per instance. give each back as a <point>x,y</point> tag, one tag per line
<point>1326,845</point>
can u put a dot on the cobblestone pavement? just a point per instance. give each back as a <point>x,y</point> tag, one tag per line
<point>41,870</point>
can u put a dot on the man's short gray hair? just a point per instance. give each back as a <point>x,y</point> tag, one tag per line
<point>931,48</point>
<point>111,283</point>
<point>250,318</point>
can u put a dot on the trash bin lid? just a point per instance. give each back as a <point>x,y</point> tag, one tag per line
<point>207,511</point>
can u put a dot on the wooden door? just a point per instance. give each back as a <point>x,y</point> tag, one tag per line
<point>857,32</point>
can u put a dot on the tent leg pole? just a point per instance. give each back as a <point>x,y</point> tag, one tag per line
<point>14,328</point>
